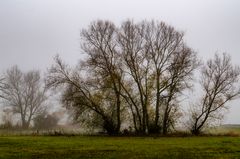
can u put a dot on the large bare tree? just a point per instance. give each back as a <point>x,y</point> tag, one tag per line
<point>99,44</point>
<point>173,63</point>
<point>23,93</point>
<point>162,42</point>
<point>159,66</point>
<point>138,72</point>
<point>219,81</point>
<point>179,77</point>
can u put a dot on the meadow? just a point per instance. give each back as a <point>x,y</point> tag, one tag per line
<point>96,147</point>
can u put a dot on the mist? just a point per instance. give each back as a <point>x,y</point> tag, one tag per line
<point>33,32</point>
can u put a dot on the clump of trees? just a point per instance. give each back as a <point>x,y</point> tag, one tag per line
<point>133,75</point>
<point>137,70</point>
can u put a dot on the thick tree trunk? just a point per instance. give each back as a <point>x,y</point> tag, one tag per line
<point>25,124</point>
<point>165,126</point>
<point>156,126</point>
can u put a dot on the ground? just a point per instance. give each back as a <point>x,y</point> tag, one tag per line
<point>119,147</point>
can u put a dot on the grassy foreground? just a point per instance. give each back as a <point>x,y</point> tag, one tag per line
<point>119,147</point>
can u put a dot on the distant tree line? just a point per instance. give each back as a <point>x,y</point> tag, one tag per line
<point>134,74</point>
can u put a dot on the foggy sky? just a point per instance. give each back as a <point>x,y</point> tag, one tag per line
<point>33,31</point>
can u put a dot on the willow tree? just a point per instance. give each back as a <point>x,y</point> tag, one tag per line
<point>103,60</point>
<point>91,97</point>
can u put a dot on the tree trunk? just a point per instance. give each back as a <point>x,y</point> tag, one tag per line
<point>118,113</point>
<point>25,124</point>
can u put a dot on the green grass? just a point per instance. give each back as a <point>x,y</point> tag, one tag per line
<point>119,147</point>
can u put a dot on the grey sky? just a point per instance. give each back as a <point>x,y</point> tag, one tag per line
<point>33,31</point>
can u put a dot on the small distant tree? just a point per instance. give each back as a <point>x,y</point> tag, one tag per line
<point>1,86</point>
<point>219,79</point>
<point>23,93</point>
<point>7,119</point>
<point>45,121</point>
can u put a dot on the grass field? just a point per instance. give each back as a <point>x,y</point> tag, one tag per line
<point>119,147</point>
<point>228,129</point>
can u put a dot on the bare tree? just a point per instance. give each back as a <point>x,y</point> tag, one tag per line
<point>99,43</point>
<point>179,77</point>
<point>87,95</point>
<point>219,79</point>
<point>7,119</point>
<point>162,42</point>
<point>159,66</point>
<point>1,85</point>
<point>172,63</point>
<point>138,72</point>
<point>23,92</point>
